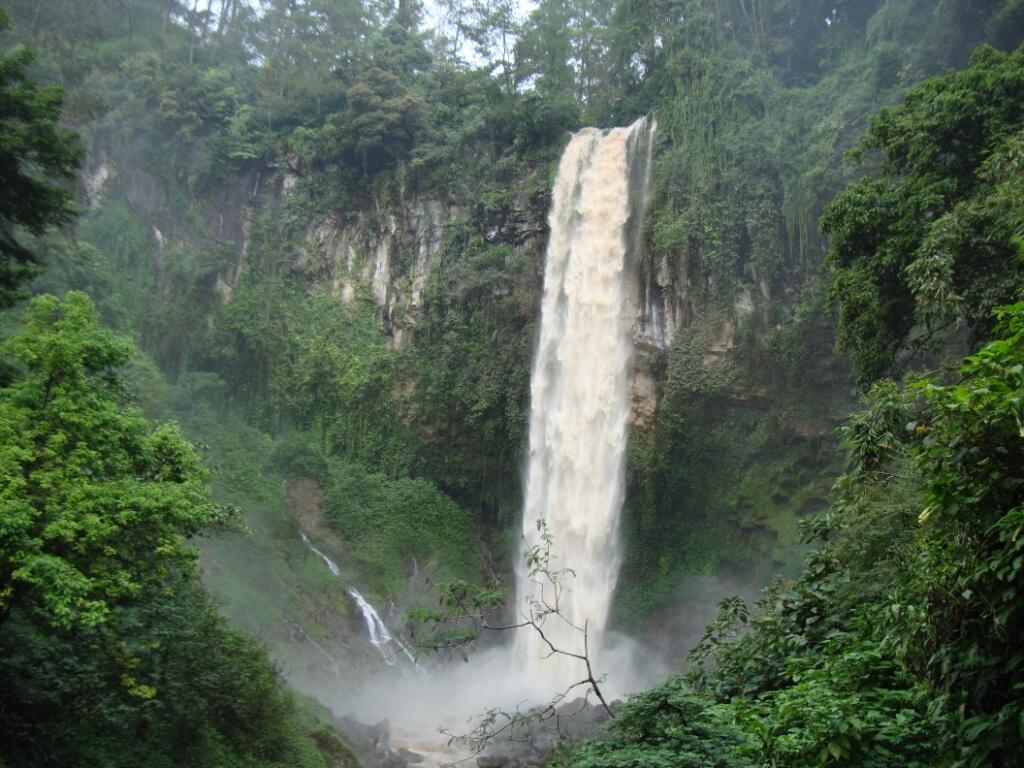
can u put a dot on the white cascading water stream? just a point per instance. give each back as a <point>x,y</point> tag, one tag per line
<point>579,400</point>
<point>331,565</point>
<point>378,633</point>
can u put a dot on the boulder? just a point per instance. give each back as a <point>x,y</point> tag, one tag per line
<point>409,756</point>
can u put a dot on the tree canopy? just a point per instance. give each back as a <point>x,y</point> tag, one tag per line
<point>97,505</point>
<point>109,650</point>
<point>928,238</point>
<point>38,159</point>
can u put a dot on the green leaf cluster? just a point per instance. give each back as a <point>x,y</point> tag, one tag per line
<point>926,241</point>
<point>110,651</point>
<point>96,504</point>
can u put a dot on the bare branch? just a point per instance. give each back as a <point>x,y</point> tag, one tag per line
<point>466,604</point>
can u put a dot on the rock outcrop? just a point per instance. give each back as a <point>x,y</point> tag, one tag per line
<point>531,743</point>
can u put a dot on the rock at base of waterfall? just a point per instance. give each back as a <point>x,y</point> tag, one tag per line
<point>372,744</point>
<point>369,742</point>
<point>409,756</point>
<point>532,744</point>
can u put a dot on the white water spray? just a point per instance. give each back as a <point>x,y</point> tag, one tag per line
<point>578,391</point>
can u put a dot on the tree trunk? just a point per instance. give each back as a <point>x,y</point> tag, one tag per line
<point>191,31</point>
<point>222,17</point>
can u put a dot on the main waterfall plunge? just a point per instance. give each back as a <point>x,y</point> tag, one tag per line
<point>575,472</point>
<point>579,400</point>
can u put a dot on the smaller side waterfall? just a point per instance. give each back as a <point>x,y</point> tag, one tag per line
<point>378,631</point>
<point>380,637</point>
<point>333,566</point>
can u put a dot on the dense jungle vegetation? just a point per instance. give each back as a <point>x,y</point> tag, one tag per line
<point>829,176</point>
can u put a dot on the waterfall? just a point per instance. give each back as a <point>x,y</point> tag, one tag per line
<point>378,633</point>
<point>381,639</point>
<point>578,394</point>
<point>331,565</point>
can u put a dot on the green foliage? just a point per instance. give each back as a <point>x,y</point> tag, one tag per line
<point>719,486</point>
<point>966,610</point>
<point>696,363</point>
<point>96,503</point>
<point>37,158</point>
<point>898,644</point>
<point>80,266</point>
<point>176,688</point>
<point>388,522</point>
<point>229,134</point>
<point>757,104</point>
<point>849,706</point>
<point>668,725</point>
<point>294,456</point>
<point>383,117</point>
<point>263,577</point>
<point>926,240</point>
<point>314,361</point>
<point>471,361</point>
<point>109,649</point>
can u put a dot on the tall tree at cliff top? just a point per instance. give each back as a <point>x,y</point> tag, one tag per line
<point>310,51</point>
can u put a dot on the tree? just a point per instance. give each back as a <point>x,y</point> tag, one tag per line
<point>34,153</point>
<point>491,28</point>
<point>925,242</point>
<point>383,118</point>
<point>545,53</point>
<point>311,51</point>
<point>110,651</point>
<point>96,505</point>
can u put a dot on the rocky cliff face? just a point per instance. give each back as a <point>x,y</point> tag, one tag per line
<point>388,251</point>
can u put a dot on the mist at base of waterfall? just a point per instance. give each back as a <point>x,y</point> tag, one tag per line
<point>456,692</point>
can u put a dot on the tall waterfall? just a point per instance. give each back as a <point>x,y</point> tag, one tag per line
<point>579,400</point>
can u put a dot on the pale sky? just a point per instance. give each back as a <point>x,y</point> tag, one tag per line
<point>525,6</point>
